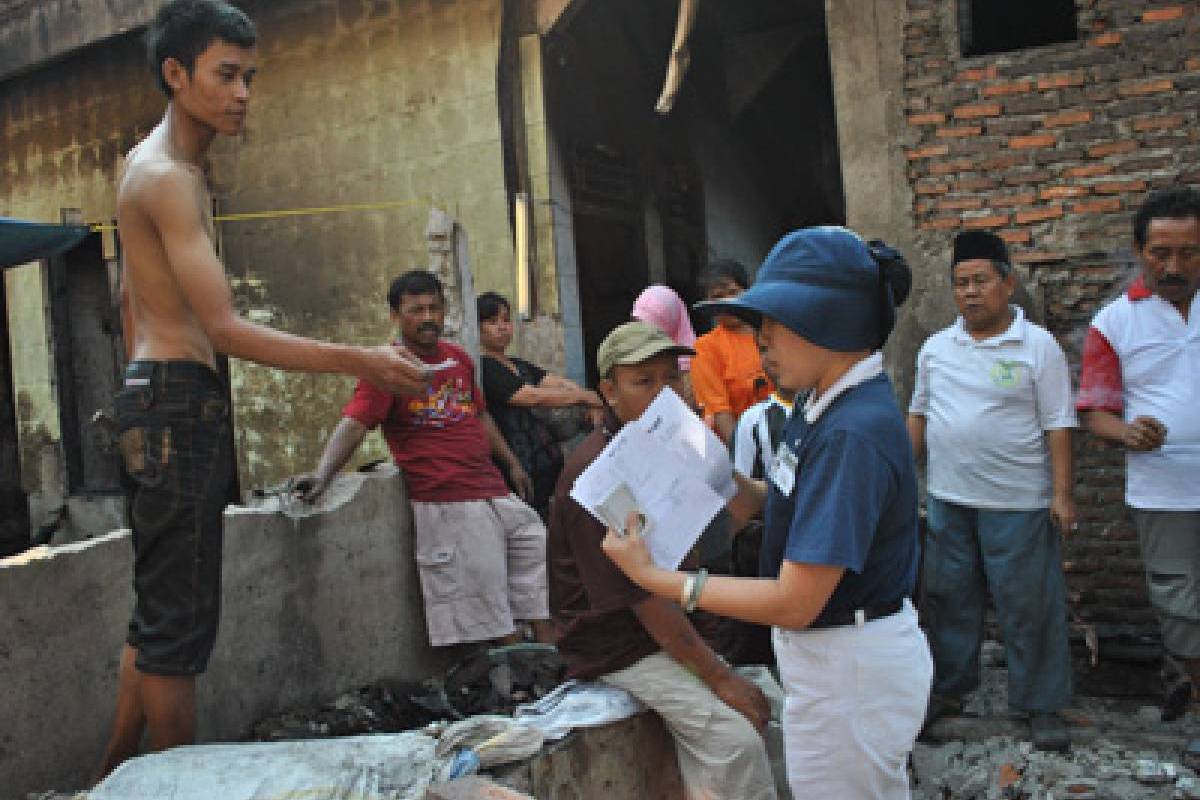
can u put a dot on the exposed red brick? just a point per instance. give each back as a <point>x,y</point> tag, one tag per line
<point>1067,118</point>
<point>979,74</point>
<point>1106,40</point>
<point>932,188</point>
<point>1020,199</point>
<point>1089,171</point>
<point>1106,205</point>
<point>928,151</point>
<point>928,118</point>
<point>991,221</point>
<point>978,183</point>
<point>1164,14</point>
<point>1030,142</point>
<point>1013,87</point>
<point>1062,80</point>
<point>953,165</point>
<point>1120,187</point>
<point>960,203</point>
<point>1016,236</point>
<point>1112,148</point>
<point>1026,177</point>
<point>1160,123</point>
<point>939,224</point>
<point>1063,192</point>
<point>1039,214</point>
<point>978,110</point>
<point>954,132</point>
<point>1146,87</point>
<point>1192,64</point>
<point>1004,161</point>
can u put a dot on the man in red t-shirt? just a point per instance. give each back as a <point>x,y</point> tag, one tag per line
<point>480,550</point>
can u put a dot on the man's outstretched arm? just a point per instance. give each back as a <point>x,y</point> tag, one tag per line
<point>169,200</point>
<point>346,438</point>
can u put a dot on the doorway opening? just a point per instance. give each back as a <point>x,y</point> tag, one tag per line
<point>748,153</point>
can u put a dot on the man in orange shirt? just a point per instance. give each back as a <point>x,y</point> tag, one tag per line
<point>727,374</point>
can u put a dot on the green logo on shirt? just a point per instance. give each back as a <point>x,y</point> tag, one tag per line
<point>1007,374</point>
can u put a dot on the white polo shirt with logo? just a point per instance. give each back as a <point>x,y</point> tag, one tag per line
<point>1142,359</point>
<point>987,406</point>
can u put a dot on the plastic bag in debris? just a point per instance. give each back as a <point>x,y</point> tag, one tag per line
<point>576,704</point>
<point>494,739</point>
<point>396,766</point>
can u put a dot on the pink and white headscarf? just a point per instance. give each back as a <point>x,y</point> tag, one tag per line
<point>661,307</point>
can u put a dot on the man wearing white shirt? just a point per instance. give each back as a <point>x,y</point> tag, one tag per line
<point>992,404</point>
<point>1140,388</point>
<point>757,435</point>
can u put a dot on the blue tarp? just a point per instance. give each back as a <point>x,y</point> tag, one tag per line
<point>22,242</point>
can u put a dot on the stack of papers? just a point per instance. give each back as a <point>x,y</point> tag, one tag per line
<point>669,467</point>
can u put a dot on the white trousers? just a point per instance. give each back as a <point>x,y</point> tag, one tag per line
<point>854,701</point>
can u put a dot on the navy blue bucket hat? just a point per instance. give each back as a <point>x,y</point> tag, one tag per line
<point>827,285</point>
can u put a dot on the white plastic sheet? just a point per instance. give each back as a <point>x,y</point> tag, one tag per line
<point>576,704</point>
<point>377,767</point>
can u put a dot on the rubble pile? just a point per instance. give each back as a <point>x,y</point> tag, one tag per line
<point>1002,768</point>
<point>1121,750</point>
<point>381,707</point>
<point>486,682</point>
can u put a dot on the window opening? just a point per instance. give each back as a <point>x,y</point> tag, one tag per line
<point>1001,26</point>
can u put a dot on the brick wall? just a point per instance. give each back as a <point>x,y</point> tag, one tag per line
<point>1052,148</point>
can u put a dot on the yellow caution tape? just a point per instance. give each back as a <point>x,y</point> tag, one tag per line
<point>299,212</point>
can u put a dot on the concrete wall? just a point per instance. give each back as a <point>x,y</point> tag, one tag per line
<point>355,107</point>
<point>867,61</point>
<point>35,31</point>
<point>313,606</point>
<point>389,102</point>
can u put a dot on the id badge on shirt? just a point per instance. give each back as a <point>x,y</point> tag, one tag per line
<point>783,469</point>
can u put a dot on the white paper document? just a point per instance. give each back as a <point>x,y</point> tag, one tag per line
<point>668,466</point>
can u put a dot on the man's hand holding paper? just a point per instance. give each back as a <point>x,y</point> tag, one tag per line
<point>666,465</point>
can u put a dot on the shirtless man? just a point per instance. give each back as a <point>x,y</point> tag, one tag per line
<point>172,410</point>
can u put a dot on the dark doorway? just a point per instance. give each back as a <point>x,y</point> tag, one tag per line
<point>14,505</point>
<point>748,153</point>
<point>608,239</point>
<point>88,355</point>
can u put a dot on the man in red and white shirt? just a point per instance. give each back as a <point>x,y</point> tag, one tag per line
<point>1140,388</point>
<point>480,550</point>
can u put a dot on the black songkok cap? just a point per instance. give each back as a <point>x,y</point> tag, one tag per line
<point>970,245</point>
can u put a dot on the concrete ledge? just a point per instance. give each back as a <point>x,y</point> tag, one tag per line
<point>315,603</point>
<point>631,758</point>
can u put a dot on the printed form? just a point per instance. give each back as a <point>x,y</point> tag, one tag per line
<point>668,466</point>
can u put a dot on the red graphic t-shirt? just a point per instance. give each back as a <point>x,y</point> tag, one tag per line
<point>436,438</point>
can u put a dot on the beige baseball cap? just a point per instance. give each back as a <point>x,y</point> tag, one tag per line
<point>633,343</point>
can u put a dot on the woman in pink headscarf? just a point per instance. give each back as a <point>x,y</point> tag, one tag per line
<point>664,309</point>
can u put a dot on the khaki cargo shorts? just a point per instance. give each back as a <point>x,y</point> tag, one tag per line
<point>482,565</point>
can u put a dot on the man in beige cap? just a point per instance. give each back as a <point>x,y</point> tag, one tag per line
<point>612,631</point>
